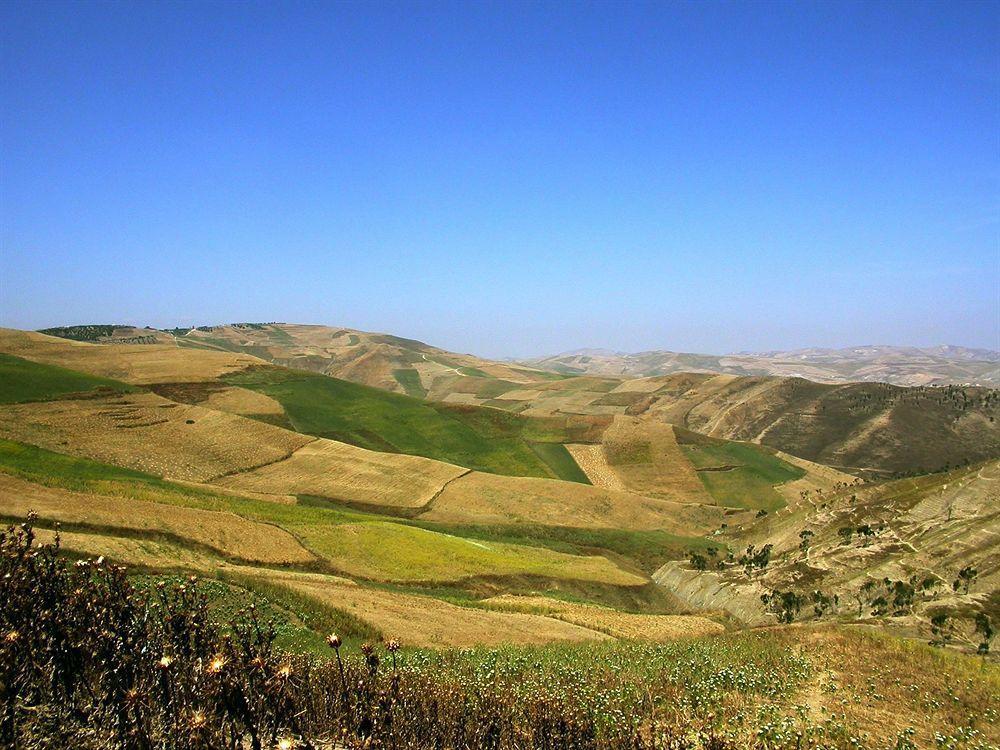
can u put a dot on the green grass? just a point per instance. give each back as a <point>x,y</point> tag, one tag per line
<point>23,380</point>
<point>738,475</point>
<point>371,418</point>
<point>644,550</point>
<point>410,380</point>
<point>560,461</point>
<point>473,372</point>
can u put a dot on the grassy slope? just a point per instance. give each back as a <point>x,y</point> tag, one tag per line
<point>23,380</point>
<point>361,544</point>
<point>739,475</point>
<point>379,420</point>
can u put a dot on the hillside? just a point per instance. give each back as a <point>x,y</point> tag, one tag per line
<point>856,427</point>
<point>909,550</point>
<point>907,366</point>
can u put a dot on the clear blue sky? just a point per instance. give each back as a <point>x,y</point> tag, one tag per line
<point>507,178</point>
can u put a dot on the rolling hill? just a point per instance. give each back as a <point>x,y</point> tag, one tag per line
<point>908,366</point>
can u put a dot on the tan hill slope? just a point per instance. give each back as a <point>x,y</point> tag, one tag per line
<point>940,365</point>
<point>905,549</point>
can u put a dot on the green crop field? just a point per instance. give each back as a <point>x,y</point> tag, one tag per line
<point>486,440</point>
<point>560,461</point>
<point>738,475</point>
<point>22,380</point>
<point>410,380</point>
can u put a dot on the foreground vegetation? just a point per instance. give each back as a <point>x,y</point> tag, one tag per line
<point>89,660</point>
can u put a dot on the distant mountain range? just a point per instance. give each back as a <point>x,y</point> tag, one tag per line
<point>899,365</point>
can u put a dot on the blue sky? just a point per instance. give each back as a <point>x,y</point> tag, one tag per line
<point>507,178</point>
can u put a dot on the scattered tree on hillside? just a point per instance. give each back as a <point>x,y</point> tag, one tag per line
<point>823,603</point>
<point>867,532</point>
<point>699,561</point>
<point>784,604</point>
<point>966,577</point>
<point>805,536</point>
<point>864,595</point>
<point>846,533</point>
<point>941,629</point>
<point>756,559</point>
<point>984,627</point>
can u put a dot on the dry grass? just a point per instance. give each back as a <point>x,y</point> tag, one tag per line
<point>593,462</point>
<point>243,401</point>
<point>145,432</point>
<point>134,363</point>
<point>228,534</point>
<point>423,621</point>
<point>665,471</point>
<point>610,621</point>
<point>146,553</point>
<point>326,468</point>
<point>885,685</point>
<point>486,498</point>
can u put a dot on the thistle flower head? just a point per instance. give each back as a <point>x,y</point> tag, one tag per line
<point>333,641</point>
<point>392,645</point>
<point>217,664</point>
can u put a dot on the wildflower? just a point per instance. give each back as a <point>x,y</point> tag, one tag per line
<point>12,636</point>
<point>333,640</point>
<point>198,720</point>
<point>217,664</point>
<point>392,646</point>
<point>285,671</point>
<point>165,662</point>
<point>285,744</point>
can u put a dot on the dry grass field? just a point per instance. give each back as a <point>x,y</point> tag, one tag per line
<point>133,363</point>
<point>424,621</point>
<point>145,432</point>
<point>226,534</point>
<point>644,454</point>
<point>326,468</point>
<point>606,620</point>
<point>593,462</point>
<point>489,499</point>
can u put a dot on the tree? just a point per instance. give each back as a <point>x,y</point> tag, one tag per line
<point>941,629</point>
<point>805,535</point>
<point>846,533</point>
<point>984,626</point>
<point>864,595</point>
<point>698,561</point>
<point>784,604</point>
<point>966,577</point>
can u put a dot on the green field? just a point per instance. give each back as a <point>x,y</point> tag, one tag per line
<point>486,440</point>
<point>410,380</point>
<point>738,475</point>
<point>559,459</point>
<point>23,380</point>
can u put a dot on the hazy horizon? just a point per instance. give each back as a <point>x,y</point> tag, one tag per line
<point>510,180</point>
